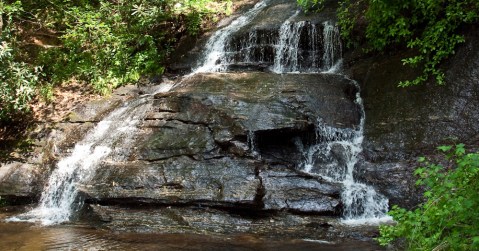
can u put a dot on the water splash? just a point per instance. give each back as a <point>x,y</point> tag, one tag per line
<point>334,158</point>
<point>110,138</point>
<point>295,47</point>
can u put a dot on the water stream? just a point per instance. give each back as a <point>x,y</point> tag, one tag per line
<point>109,139</point>
<point>335,155</point>
<point>215,58</point>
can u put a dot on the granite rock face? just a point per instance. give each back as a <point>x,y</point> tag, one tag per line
<point>230,140</point>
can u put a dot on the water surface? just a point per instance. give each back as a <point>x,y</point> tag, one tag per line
<point>31,237</point>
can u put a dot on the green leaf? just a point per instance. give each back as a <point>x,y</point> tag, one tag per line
<point>444,148</point>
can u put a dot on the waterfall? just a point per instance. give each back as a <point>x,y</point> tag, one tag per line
<point>215,59</point>
<point>332,47</point>
<point>335,155</point>
<point>334,158</point>
<point>287,49</point>
<point>110,138</point>
<point>297,48</point>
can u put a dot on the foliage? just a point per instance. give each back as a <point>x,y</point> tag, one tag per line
<point>103,42</point>
<point>18,80</point>
<point>310,4</point>
<point>112,43</point>
<point>2,202</point>
<point>429,27</point>
<point>449,219</point>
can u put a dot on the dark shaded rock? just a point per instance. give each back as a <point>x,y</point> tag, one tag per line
<point>175,138</point>
<point>395,180</point>
<point>247,114</point>
<point>180,180</point>
<point>262,101</point>
<point>287,190</point>
<point>405,123</point>
<point>205,143</point>
<point>211,221</point>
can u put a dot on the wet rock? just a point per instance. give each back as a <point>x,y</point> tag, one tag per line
<point>262,101</point>
<point>205,220</point>
<point>205,142</point>
<point>395,180</point>
<point>287,190</point>
<point>405,123</point>
<point>175,138</point>
<point>182,180</point>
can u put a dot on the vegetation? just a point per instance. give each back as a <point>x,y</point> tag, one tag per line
<point>449,219</point>
<point>429,27</point>
<point>103,42</point>
<point>18,80</point>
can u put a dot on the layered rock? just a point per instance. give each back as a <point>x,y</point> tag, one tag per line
<point>230,140</point>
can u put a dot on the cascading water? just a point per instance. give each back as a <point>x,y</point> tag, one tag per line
<point>332,47</point>
<point>335,155</point>
<point>292,48</point>
<point>287,50</point>
<point>334,158</point>
<point>215,58</point>
<point>110,139</point>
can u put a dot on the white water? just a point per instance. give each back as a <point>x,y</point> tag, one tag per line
<point>323,52</point>
<point>335,155</point>
<point>286,53</point>
<point>332,47</point>
<point>334,158</point>
<point>215,59</point>
<point>109,139</point>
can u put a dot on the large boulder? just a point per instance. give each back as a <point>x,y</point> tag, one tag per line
<point>181,180</point>
<point>19,182</point>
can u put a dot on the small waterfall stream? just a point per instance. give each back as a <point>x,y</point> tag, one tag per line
<point>215,58</point>
<point>294,49</point>
<point>109,139</point>
<point>334,158</point>
<point>286,54</point>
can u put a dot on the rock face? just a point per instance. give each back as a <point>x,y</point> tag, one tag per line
<point>230,140</point>
<point>405,123</point>
<point>23,177</point>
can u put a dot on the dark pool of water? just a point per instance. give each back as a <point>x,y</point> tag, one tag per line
<point>25,236</point>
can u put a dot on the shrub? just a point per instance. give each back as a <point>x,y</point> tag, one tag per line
<point>448,219</point>
<point>18,80</point>
<point>102,42</point>
<point>429,27</point>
